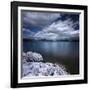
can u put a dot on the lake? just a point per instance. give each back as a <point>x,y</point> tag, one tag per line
<point>62,52</point>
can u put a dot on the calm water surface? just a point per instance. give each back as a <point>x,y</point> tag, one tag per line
<point>61,52</point>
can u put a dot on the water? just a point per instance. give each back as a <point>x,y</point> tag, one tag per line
<point>61,52</point>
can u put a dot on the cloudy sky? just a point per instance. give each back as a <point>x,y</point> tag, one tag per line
<point>50,26</point>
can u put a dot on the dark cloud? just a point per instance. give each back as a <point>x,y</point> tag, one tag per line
<point>50,26</point>
<point>38,19</point>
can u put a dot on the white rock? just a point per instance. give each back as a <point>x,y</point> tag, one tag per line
<point>32,57</point>
<point>24,57</point>
<point>37,57</point>
<point>29,56</point>
<point>42,69</point>
<point>26,69</point>
<point>32,65</point>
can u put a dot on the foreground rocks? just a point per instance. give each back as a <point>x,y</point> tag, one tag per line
<point>33,66</point>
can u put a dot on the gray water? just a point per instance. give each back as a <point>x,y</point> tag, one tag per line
<point>61,52</point>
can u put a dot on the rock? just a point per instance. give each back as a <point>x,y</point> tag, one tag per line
<point>29,56</point>
<point>33,65</point>
<point>37,57</point>
<point>32,57</point>
<point>24,57</point>
<point>42,69</point>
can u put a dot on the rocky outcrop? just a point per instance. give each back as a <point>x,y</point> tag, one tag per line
<point>32,57</point>
<point>33,66</point>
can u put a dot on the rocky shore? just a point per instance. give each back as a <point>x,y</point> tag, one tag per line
<point>33,65</point>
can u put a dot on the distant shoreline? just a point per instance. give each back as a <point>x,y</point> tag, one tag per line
<point>50,40</point>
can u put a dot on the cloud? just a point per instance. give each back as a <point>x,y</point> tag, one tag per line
<point>59,30</point>
<point>50,26</point>
<point>39,19</point>
<point>27,33</point>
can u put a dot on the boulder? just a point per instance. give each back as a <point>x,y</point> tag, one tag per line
<point>32,57</point>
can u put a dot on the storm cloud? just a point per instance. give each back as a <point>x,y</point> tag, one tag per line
<point>50,26</point>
